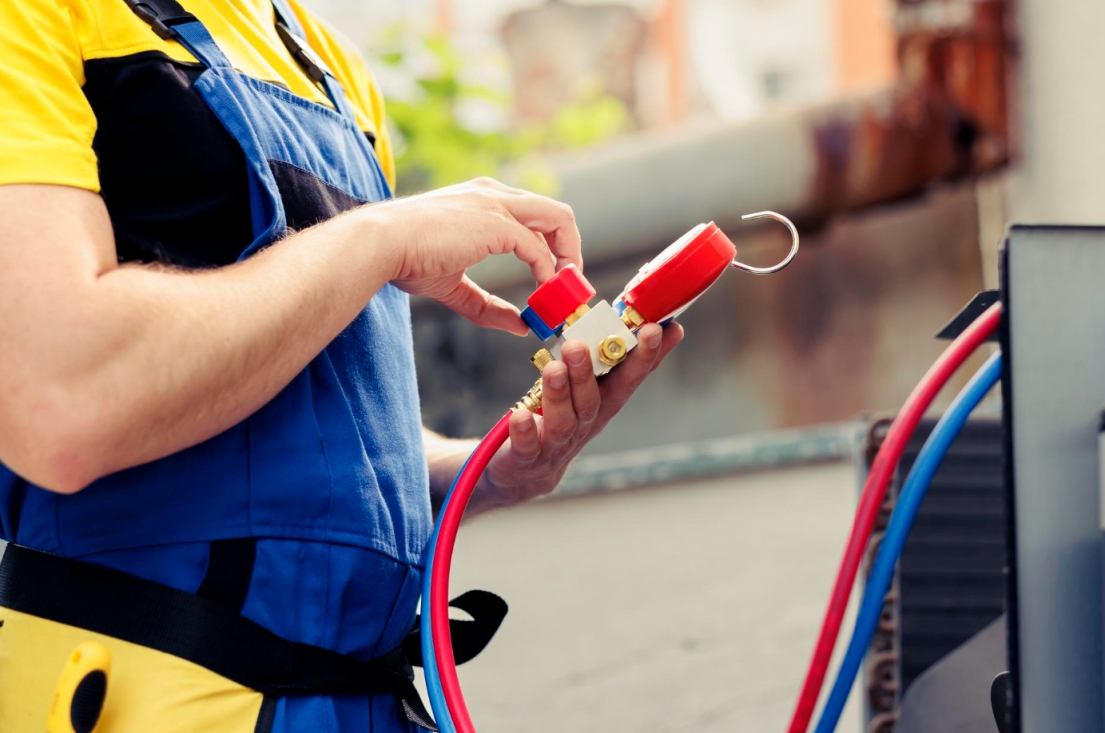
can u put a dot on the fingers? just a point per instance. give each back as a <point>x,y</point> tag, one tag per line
<point>554,220</point>
<point>575,405</point>
<point>673,334</point>
<point>530,247</point>
<point>553,240</point>
<point>558,415</point>
<point>621,383</point>
<point>484,309</point>
<point>525,443</point>
<point>584,386</point>
<point>569,407</point>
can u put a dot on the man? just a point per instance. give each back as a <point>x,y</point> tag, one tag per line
<point>209,420</point>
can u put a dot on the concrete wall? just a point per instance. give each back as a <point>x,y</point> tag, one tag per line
<point>1062,102</point>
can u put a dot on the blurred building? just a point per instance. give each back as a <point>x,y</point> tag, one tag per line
<point>901,134</point>
<point>668,60</point>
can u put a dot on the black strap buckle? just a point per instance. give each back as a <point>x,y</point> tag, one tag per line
<point>161,15</point>
<point>469,637</point>
<point>311,62</point>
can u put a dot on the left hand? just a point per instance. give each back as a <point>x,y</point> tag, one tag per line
<point>576,407</point>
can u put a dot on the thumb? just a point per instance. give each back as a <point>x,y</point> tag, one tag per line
<point>484,309</point>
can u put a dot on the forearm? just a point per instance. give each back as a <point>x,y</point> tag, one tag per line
<point>445,457</point>
<point>147,361</point>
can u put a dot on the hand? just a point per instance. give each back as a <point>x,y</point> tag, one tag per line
<point>442,233</point>
<point>576,407</point>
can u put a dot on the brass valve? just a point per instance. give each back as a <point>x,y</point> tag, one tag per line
<point>541,359</point>
<point>631,318</point>
<point>613,350</point>
<point>580,312</point>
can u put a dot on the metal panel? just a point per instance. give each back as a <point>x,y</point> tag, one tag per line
<point>1056,356</point>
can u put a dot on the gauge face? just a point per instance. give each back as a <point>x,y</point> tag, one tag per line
<point>671,281</point>
<point>670,251</point>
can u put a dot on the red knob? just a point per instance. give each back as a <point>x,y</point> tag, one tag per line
<point>560,296</point>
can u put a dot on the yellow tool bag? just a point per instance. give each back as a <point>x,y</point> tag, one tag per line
<point>179,663</point>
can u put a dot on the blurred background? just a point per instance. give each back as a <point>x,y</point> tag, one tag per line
<point>902,136</point>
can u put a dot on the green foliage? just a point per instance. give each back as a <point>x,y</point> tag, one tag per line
<point>435,147</point>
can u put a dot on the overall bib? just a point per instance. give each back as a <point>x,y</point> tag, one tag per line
<point>309,518</point>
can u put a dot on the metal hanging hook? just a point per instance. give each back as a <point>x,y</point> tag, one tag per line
<point>793,246</point>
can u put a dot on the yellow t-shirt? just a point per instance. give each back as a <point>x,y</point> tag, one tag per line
<point>48,124</point>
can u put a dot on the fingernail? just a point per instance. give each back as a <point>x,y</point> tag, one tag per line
<point>576,357</point>
<point>557,380</point>
<point>525,426</point>
<point>653,339</point>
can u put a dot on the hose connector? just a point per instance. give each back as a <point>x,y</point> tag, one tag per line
<point>542,359</point>
<point>631,318</point>
<point>532,400</point>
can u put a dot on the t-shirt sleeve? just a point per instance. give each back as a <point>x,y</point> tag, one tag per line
<point>46,123</point>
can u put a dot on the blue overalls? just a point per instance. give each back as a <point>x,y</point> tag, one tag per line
<point>329,477</point>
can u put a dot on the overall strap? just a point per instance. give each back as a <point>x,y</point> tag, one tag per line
<point>287,16</point>
<point>294,37</point>
<point>229,572</point>
<point>171,21</point>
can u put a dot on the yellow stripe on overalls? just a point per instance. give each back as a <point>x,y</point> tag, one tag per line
<point>148,691</point>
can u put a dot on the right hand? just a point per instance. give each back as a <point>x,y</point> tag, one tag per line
<point>440,234</point>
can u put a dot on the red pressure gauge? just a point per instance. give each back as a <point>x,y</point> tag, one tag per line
<point>673,279</point>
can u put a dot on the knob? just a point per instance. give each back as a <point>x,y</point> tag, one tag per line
<point>561,296</point>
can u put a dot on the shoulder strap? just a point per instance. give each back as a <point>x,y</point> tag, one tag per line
<point>171,21</point>
<point>286,16</point>
<point>291,33</point>
<point>161,15</point>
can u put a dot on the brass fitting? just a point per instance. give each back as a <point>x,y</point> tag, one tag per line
<point>612,350</point>
<point>532,400</point>
<point>580,312</point>
<point>631,318</point>
<point>541,359</point>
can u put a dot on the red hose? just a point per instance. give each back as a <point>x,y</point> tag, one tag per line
<point>443,560</point>
<point>874,491</point>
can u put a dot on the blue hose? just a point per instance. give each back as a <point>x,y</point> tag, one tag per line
<point>429,661</point>
<point>882,572</point>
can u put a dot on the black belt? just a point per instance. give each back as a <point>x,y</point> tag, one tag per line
<point>212,635</point>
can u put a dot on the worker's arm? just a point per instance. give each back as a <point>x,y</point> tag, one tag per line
<point>106,366</point>
<point>576,407</point>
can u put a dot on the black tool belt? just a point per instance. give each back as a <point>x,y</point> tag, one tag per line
<point>218,638</point>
